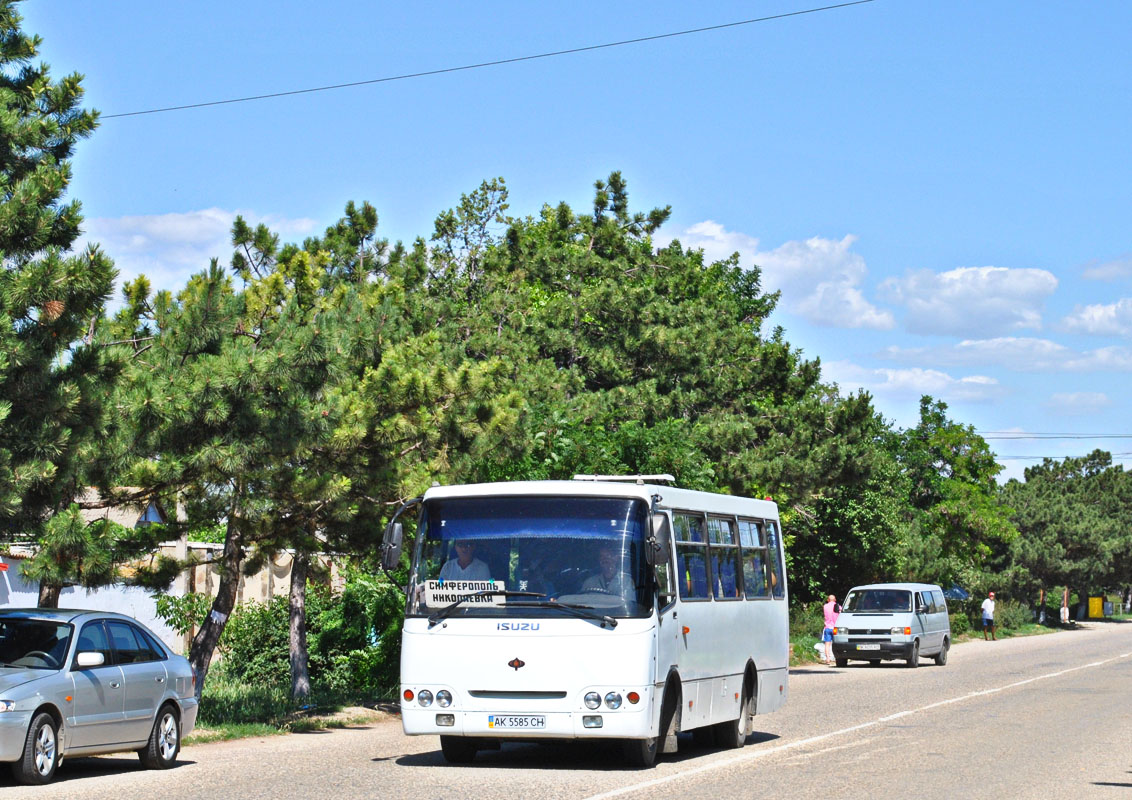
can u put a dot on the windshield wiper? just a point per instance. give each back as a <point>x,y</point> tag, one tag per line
<point>448,610</point>
<point>585,612</point>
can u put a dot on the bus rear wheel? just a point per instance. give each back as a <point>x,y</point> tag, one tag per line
<point>457,749</point>
<point>733,734</point>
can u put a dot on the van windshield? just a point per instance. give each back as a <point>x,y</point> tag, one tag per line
<point>878,601</point>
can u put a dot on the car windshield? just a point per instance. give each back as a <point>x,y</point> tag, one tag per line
<point>527,555</point>
<point>33,643</point>
<point>880,601</point>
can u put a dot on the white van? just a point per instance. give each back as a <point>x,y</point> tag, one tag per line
<point>888,621</point>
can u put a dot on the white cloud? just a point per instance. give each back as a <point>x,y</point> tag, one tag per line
<point>1017,354</point>
<point>170,248</point>
<point>1114,270</point>
<point>1113,319</point>
<point>983,301</point>
<point>1078,403</point>
<point>819,278</point>
<point>911,383</point>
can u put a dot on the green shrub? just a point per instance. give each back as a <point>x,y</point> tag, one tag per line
<point>806,620</point>
<point>960,623</point>
<point>1011,615</point>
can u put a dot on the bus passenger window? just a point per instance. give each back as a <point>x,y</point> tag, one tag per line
<point>691,557</point>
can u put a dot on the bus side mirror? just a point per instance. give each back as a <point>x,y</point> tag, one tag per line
<point>391,546</point>
<point>656,548</point>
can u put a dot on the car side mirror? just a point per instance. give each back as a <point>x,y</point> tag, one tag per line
<point>391,545</point>
<point>90,659</point>
<point>656,548</point>
<point>921,609</point>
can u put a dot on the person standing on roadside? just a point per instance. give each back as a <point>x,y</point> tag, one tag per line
<point>988,616</point>
<point>829,615</point>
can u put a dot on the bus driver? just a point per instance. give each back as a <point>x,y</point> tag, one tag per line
<point>610,579</point>
<point>465,567</point>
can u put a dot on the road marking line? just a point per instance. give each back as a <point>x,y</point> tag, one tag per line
<point>755,754</point>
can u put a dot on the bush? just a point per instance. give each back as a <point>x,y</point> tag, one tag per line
<point>353,643</point>
<point>960,623</point>
<point>1011,615</point>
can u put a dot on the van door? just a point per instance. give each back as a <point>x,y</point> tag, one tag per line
<point>921,612</point>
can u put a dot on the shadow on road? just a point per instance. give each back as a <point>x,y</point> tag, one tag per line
<point>77,768</point>
<point>596,756</point>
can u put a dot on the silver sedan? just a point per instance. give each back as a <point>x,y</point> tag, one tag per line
<point>78,682</point>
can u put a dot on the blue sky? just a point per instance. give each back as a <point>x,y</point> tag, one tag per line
<point>941,191</point>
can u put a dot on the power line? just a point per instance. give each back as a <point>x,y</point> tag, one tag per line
<point>1009,437</point>
<point>483,64</point>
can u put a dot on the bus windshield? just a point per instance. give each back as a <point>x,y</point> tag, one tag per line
<point>581,551</point>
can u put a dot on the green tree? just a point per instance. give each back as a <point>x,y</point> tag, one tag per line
<point>53,379</point>
<point>638,359</point>
<point>1074,519</point>
<point>953,498</point>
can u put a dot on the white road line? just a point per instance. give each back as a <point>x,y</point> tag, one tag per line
<point>751,755</point>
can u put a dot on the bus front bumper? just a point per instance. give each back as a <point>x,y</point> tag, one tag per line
<point>601,723</point>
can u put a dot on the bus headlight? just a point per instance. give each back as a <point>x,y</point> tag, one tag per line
<point>444,698</point>
<point>593,700</point>
<point>424,697</point>
<point>613,700</point>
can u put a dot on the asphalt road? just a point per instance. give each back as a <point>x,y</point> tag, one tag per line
<point>1036,717</point>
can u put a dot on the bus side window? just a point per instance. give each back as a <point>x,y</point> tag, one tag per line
<point>774,554</point>
<point>691,557</point>
<point>754,558</point>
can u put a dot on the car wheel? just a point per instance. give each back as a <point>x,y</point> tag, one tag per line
<point>457,749</point>
<point>160,752</point>
<point>941,656</point>
<point>841,662</point>
<point>640,753</point>
<point>914,661</point>
<point>875,662</point>
<point>41,752</point>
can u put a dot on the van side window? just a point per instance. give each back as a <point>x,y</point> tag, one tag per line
<point>940,601</point>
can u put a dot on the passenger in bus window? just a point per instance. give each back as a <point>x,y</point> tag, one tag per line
<point>465,567</point>
<point>534,572</point>
<point>610,579</point>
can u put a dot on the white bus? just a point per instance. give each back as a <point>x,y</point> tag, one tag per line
<point>598,608</point>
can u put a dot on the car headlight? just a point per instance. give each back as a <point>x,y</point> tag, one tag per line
<point>593,700</point>
<point>424,697</point>
<point>444,698</point>
<point>613,700</point>
<point>7,705</point>
<point>901,631</point>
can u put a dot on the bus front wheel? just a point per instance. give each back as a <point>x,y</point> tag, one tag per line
<point>641,753</point>
<point>457,749</point>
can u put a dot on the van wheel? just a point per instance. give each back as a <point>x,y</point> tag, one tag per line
<point>457,749</point>
<point>914,661</point>
<point>841,662</point>
<point>941,656</point>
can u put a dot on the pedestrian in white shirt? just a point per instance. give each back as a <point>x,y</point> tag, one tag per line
<point>988,616</point>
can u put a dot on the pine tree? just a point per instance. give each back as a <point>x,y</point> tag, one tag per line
<point>53,379</point>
